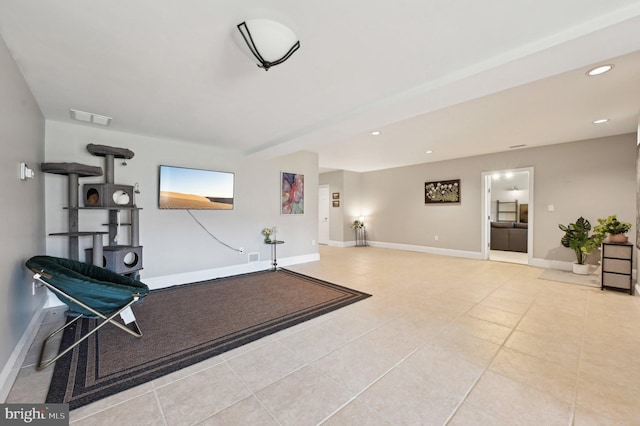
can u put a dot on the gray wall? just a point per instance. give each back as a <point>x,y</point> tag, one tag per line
<point>173,242</point>
<point>502,190</point>
<point>349,185</point>
<point>592,178</point>
<point>22,213</point>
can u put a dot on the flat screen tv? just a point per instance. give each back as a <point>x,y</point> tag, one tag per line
<point>184,188</point>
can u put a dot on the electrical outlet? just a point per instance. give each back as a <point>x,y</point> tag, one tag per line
<point>436,238</point>
<point>241,249</point>
<point>313,242</point>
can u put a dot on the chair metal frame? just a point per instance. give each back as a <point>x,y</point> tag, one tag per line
<point>107,319</point>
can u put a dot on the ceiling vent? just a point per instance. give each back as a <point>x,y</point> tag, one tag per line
<point>89,117</point>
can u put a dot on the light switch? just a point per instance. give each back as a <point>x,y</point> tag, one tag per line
<point>550,207</point>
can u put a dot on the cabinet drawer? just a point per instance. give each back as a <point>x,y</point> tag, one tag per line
<point>617,281</point>
<point>620,251</point>
<point>616,265</point>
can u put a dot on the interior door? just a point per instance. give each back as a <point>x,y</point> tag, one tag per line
<point>486,251</point>
<point>323,214</point>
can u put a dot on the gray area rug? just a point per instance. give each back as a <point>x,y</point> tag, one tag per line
<point>591,280</point>
<point>187,324</point>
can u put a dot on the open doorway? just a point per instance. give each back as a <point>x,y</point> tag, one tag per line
<point>508,215</point>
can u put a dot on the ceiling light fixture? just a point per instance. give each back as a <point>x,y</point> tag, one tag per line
<point>600,70</point>
<point>89,117</point>
<point>268,42</point>
<point>376,133</point>
<point>601,121</point>
<point>428,152</point>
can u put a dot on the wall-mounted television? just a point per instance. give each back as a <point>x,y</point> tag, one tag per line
<point>184,188</point>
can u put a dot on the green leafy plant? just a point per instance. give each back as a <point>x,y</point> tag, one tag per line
<point>357,224</point>
<point>577,237</point>
<point>611,226</point>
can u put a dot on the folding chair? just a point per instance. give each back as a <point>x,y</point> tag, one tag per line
<point>90,292</point>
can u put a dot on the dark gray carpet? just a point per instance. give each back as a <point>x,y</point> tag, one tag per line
<point>187,324</point>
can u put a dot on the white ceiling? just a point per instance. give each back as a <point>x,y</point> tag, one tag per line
<point>457,77</point>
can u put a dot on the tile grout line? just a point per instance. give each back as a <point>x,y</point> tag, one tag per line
<point>475,383</point>
<point>164,418</point>
<point>308,364</point>
<point>253,394</point>
<point>575,389</point>
<point>354,397</point>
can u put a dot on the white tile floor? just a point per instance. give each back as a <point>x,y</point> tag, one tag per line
<point>509,256</point>
<point>442,341</point>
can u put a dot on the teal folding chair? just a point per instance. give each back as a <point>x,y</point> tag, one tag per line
<point>90,292</point>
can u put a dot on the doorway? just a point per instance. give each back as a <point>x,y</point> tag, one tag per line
<point>323,214</point>
<point>507,215</point>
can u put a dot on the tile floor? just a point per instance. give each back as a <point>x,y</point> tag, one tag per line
<point>442,341</point>
<point>508,256</point>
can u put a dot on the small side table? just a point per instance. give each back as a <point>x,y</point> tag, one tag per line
<point>361,236</point>
<point>274,261</point>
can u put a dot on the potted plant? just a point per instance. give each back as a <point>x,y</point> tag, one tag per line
<point>577,237</point>
<point>612,227</point>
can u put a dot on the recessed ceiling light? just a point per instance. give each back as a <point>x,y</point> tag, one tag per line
<point>89,117</point>
<point>375,133</point>
<point>601,121</point>
<point>600,70</point>
<point>428,152</point>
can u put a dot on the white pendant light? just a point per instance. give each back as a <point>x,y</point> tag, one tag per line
<point>267,42</point>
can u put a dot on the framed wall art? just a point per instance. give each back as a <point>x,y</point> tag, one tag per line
<point>442,192</point>
<point>292,194</point>
<point>335,195</point>
<point>336,203</point>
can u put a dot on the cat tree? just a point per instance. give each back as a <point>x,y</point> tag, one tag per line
<point>120,258</point>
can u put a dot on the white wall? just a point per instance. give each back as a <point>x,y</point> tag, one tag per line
<point>592,178</point>
<point>349,185</point>
<point>637,231</point>
<point>173,243</point>
<point>22,213</point>
<point>335,180</point>
<point>502,189</point>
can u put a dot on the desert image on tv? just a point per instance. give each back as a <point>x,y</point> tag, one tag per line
<point>184,188</point>
<point>178,200</point>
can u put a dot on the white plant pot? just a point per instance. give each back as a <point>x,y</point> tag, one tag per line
<point>581,269</point>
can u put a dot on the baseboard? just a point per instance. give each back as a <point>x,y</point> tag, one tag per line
<point>227,271</point>
<point>341,244</point>
<point>17,357</point>
<point>430,250</point>
<point>164,281</point>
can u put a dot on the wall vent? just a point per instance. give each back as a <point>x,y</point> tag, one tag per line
<point>254,257</point>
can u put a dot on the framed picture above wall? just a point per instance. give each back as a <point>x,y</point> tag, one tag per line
<point>335,195</point>
<point>292,193</point>
<point>442,192</point>
<point>336,203</point>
